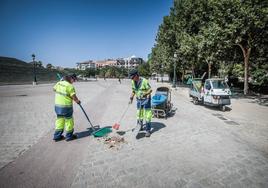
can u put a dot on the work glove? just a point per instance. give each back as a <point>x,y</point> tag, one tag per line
<point>78,102</point>
<point>144,95</point>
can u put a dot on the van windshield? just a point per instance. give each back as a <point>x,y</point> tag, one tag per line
<point>219,84</point>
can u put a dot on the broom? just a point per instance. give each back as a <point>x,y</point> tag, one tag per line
<point>116,126</point>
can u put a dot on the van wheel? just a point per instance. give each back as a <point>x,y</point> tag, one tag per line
<point>195,100</point>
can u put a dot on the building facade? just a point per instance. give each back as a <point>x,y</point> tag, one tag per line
<point>105,63</point>
<point>85,65</point>
<point>130,62</point>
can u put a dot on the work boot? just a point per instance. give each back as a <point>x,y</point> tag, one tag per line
<point>59,139</point>
<point>58,135</point>
<point>141,123</point>
<point>147,134</point>
<point>73,137</point>
<point>148,127</point>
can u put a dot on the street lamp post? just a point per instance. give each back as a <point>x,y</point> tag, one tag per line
<point>161,73</point>
<point>34,70</point>
<point>174,73</point>
<point>127,69</point>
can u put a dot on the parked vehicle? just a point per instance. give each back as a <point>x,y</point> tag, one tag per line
<point>196,90</point>
<point>214,92</point>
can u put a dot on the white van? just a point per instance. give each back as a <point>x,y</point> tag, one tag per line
<point>216,92</point>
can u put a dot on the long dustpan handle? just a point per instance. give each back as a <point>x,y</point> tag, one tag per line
<point>87,117</point>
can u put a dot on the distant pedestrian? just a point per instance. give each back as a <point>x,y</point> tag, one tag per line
<point>119,80</point>
<point>64,96</point>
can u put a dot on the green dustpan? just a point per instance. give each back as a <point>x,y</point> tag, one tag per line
<point>100,132</point>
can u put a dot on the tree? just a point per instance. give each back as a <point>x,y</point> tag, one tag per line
<point>242,23</point>
<point>90,72</point>
<point>163,51</point>
<point>210,32</point>
<point>39,64</point>
<point>49,66</point>
<point>209,45</point>
<point>144,70</point>
<point>112,72</point>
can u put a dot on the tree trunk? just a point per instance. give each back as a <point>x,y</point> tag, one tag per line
<point>246,62</point>
<point>209,70</point>
<point>182,76</point>
<point>193,74</point>
<point>246,54</point>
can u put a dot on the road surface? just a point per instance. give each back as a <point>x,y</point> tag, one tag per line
<point>196,147</point>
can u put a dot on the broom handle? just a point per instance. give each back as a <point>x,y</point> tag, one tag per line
<point>87,117</point>
<point>124,113</point>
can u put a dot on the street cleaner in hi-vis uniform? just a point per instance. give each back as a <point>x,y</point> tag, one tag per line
<point>142,89</point>
<point>64,96</point>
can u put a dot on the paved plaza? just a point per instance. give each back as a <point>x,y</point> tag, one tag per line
<point>196,146</point>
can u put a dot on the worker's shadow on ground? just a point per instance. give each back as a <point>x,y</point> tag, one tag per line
<point>88,132</point>
<point>156,126</point>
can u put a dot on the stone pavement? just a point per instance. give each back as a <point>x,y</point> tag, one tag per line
<point>196,147</point>
<point>27,114</point>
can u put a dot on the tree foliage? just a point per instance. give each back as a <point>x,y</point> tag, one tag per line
<point>49,66</point>
<point>112,72</point>
<point>144,70</point>
<point>90,72</point>
<point>214,35</point>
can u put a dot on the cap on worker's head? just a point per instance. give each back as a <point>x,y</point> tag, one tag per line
<point>133,73</point>
<point>73,76</point>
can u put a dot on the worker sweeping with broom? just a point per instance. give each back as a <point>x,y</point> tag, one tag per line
<point>142,89</point>
<point>64,96</point>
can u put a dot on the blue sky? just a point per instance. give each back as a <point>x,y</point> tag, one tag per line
<point>64,32</point>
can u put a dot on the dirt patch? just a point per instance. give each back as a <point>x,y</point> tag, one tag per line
<point>113,142</point>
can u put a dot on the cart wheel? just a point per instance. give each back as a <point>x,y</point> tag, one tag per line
<point>195,101</point>
<point>223,108</point>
